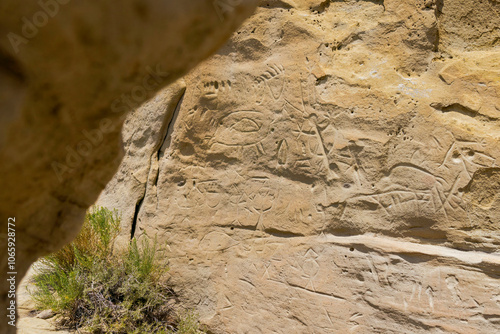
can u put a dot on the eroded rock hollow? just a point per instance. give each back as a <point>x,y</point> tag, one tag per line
<point>333,168</point>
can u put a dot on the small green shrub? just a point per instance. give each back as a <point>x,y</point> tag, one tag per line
<point>102,291</point>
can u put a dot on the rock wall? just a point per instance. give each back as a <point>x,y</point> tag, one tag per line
<point>69,73</point>
<point>333,168</point>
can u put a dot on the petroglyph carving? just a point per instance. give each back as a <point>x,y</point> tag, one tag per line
<point>192,193</point>
<point>242,129</point>
<point>211,89</point>
<point>310,268</point>
<point>466,157</point>
<point>410,188</point>
<point>420,295</point>
<point>282,152</point>
<point>316,188</point>
<point>216,241</point>
<point>453,286</point>
<point>273,79</point>
<point>255,199</point>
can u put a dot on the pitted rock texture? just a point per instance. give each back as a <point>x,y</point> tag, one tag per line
<point>333,168</point>
<point>69,73</point>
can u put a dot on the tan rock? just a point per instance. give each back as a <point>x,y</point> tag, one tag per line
<point>45,314</point>
<point>334,168</point>
<point>468,25</point>
<point>69,73</point>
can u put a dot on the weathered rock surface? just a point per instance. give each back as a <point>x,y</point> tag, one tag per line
<point>333,168</point>
<point>69,73</point>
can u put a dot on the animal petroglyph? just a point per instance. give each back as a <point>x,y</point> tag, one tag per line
<point>414,190</point>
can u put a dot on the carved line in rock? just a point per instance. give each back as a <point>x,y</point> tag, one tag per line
<point>441,183</point>
<point>252,129</point>
<point>274,79</point>
<point>440,191</point>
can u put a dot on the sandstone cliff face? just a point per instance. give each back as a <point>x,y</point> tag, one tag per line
<point>333,168</point>
<point>69,73</point>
